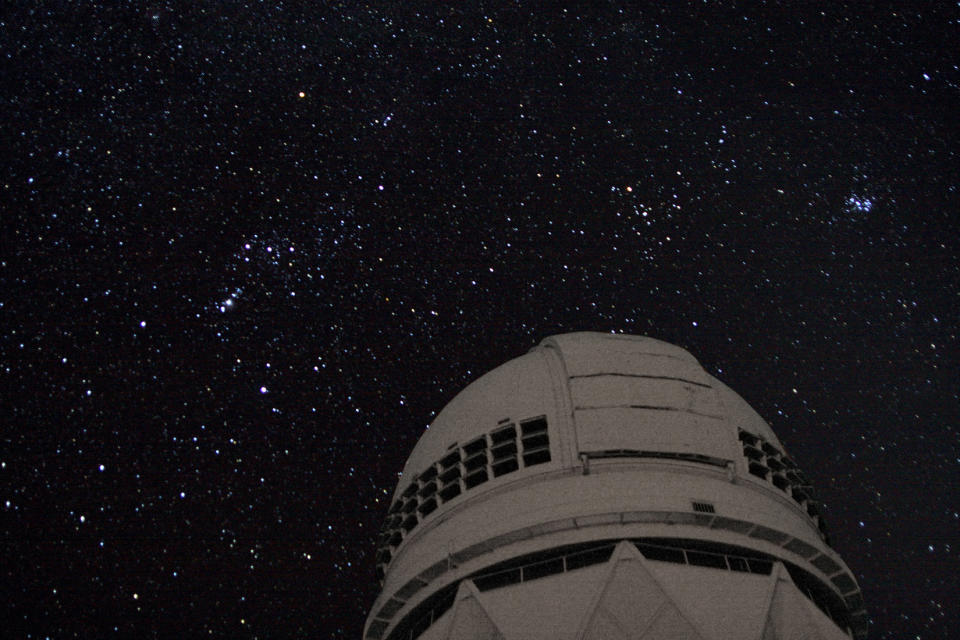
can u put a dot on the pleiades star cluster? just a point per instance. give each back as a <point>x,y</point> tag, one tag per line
<point>249,249</point>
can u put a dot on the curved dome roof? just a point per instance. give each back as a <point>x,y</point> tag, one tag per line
<point>601,392</point>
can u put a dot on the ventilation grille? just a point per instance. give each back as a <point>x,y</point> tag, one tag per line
<point>767,462</point>
<point>506,449</point>
<point>703,507</point>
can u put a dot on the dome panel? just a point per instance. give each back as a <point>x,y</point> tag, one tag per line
<point>587,353</point>
<point>651,430</point>
<point>639,390</point>
<point>585,346</point>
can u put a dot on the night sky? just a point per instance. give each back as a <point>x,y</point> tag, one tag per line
<point>249,250</point>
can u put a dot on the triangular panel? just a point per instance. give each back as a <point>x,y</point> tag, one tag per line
<point>604,626</point>
<point>793,617</point>
<point>670,625</point>
<point>632,605</point>
<point>469,618</point>
<point>721,605</point>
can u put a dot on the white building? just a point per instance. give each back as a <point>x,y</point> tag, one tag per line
<point>605,486</point>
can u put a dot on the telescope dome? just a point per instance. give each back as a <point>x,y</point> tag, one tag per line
<point>614,450</point>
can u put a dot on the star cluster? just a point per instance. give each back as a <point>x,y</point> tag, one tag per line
<point>250,249</point>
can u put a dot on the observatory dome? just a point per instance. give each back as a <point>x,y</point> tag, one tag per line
<point>587,443</point>
<point>624,392</point>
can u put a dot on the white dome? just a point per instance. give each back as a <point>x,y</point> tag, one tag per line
<point>591,438</point>
<point>620,392</point>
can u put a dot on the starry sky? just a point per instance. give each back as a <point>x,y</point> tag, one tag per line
<point>250,249</point>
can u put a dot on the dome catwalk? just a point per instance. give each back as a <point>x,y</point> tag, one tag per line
<point>605,486</point>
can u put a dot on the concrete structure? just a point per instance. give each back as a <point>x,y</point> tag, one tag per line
<point>605,486</point>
